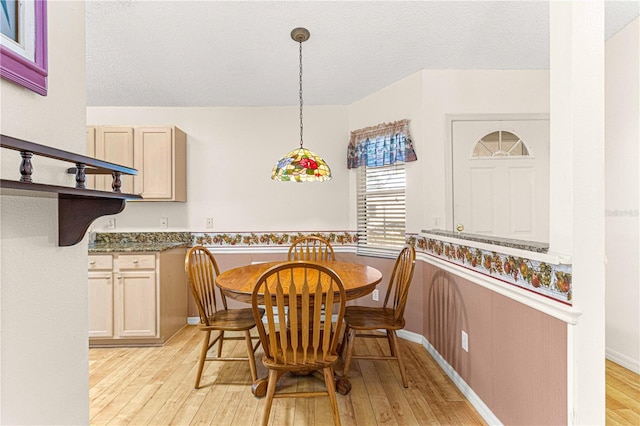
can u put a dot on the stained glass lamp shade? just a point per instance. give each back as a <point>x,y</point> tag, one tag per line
<point>301,165</point>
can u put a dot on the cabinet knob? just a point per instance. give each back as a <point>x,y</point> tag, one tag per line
<point>135,261</point>
<point>92,262</point>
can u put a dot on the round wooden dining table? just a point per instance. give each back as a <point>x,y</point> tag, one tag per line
<point>359,280</point>
<point>238,283</point>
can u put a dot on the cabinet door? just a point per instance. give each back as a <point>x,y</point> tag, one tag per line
<point>154,160</point>
<point>136,305</point>
<point>115,144</point>
<point>100,304</point>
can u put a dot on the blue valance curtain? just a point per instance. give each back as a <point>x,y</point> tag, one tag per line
<point>380,145</point>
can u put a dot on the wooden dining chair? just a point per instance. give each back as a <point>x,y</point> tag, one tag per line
<point>295,336</point>
<point>389,317</point>
<point>202,269</point>
<point>311,248</point>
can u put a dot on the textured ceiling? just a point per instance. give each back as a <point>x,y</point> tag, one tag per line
<point>239,53</point>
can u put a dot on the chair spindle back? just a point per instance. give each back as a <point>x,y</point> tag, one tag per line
<point>295,294</point>
<point>398,289</point>
<point>311,248</point>
<point>202,269</point>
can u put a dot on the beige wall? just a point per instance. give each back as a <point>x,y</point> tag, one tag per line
<point>622,196</point>
<point>230,154</point>
<point>43,295</point>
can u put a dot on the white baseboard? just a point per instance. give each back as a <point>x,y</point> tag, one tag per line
<point>623,360</point>
<point>471,396</point>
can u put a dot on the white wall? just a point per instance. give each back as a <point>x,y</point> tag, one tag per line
<point>43,290</point>
<point>451,92</point>
<point>426,98</point>
<point>231,152</point>
<point>622,189</point>
<point>577,193</point>
<point>230,191</point>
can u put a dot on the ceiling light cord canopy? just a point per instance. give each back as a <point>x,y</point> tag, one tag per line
<point>301,165</point>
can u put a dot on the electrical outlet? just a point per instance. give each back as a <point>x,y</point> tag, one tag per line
<point>111,224</point>
<point>436,221</point>
<point>164,222</point>
<point>375,295</point>
<point>465,341</point>
<point>209,222</point>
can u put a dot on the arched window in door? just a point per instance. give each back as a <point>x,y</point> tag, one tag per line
<point>500,143</point>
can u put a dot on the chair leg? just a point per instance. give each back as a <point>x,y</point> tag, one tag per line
<point>396,350</point>
<point>203,356</point>
<point>220,342</point>
<point>392,348</point>
<point>345,339</point>
<point>351,337</point>
<point>252,358</point>
<point>329,381</point>
<point>271,391</point>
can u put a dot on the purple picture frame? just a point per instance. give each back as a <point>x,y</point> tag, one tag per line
<point>23,71</point>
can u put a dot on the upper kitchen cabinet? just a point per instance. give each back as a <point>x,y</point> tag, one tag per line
<point>159,153</point>
<point>115,144</point>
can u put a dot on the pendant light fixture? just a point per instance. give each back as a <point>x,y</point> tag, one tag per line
<point>301,165</point>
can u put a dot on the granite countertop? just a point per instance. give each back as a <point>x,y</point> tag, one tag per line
<point>532,246</point>
<point>139,242</point>
<point>133,246</point>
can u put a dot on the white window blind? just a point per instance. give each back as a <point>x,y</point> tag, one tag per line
<point>381,209</point>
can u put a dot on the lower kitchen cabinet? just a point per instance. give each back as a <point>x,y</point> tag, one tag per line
<point>136,298</point>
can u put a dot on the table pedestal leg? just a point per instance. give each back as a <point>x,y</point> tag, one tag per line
<point>343,385</point>
<point>259,387</point>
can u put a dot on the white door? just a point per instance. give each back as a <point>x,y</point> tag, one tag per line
<point>501,178</point>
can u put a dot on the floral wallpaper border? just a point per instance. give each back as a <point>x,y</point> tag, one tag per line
<point>553,281</point>
<point>252,239</point>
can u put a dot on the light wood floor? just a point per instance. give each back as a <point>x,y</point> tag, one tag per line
<point>623,396</point>
<point>154,386</point>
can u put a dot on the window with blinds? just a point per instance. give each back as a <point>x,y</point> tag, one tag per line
<point>381,209</point>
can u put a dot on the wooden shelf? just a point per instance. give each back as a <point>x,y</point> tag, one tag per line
<point>77,207</point>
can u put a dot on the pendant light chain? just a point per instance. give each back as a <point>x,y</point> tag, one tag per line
<point>300,94</point>
<point>301,165</point>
